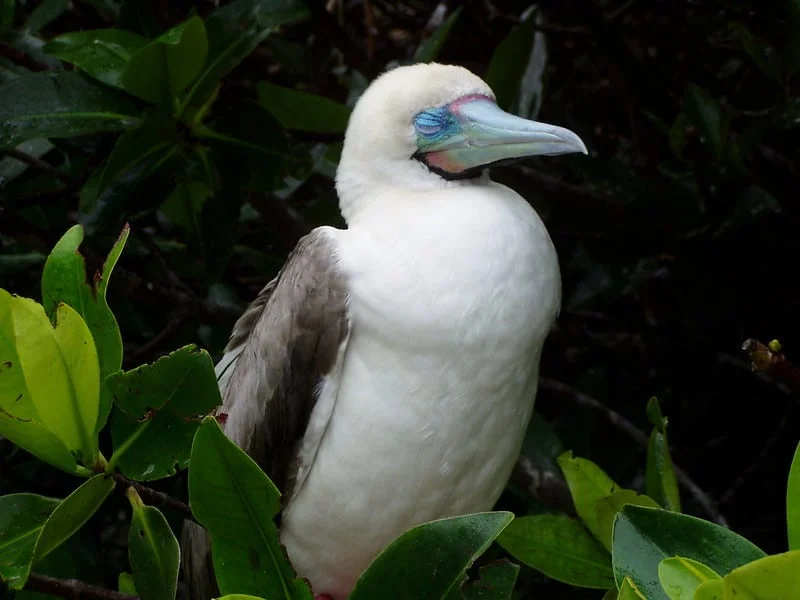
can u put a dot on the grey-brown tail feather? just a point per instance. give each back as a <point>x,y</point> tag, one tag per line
<point>198,569</point>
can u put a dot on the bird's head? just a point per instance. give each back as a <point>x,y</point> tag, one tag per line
<point>419,127</point>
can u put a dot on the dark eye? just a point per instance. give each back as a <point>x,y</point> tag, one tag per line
<point>428,123</point>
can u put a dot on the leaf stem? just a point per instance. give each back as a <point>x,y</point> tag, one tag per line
<point>154,497</point>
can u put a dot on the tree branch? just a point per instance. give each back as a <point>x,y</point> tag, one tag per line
<point>22,59</point>
<point>770,360</point>
<point>620,422</point>
<point>154,497</point>
<point>72,589</point>
<point>44,166</point>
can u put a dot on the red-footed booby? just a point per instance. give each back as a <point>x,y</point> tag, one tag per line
<point>387,375</point>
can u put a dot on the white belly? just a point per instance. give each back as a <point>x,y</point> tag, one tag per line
<point>437,385</point>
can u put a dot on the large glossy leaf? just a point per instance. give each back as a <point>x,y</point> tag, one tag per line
<point>643,537</point>
<point>65,280</point>
<point>429,50</point>
<point>710,590</point>
<point>247,554</point>
<point>597,498</point>
<point>64,520</point>
<point>153,552</point>
<point>22,517</point>
<point>496,582</point>
<point>61,371</point>
<point>59,105</point>
<point>131,159</point>
<point>561,548</point>
<point>508,62</point>
<point>428,561</point>
<point>660,479</point>
<point>161,405</point>
<point>162,69</point>
<point>793,502</point>
<point>303,111</point>
<point>680,577</point>
<point>234,30</point>
<point>102,53</point>
<point>769,578</point>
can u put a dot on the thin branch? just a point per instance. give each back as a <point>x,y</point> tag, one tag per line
<point>22,59</point>
<point>770,360</point>
<point>154,497</point>
<point>38,163</point>
<point>72,589</point>
<point>617,420</point>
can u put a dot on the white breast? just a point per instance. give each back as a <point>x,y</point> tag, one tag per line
<point>452,295</point>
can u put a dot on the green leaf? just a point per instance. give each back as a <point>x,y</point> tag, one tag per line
<point>561,548</point>
<point>45,13</point>
<point>793,502</point>
<point>680,577</point>
<point>643,537</point>
<point>22,517</point>
<point>64,520</point>
<point>101,53</point>
<point>497,581</point>
<point>7,13</point>
<point>629,591</point>
<point>184,205</point>
<point>509,60</point>
<point>64,279</point>
<point>303,111</point>
<point>428,561</point>
<point>661,482</point>
<point>597,498</point>
<point>61,371</point>
<point>710,590</point>
<point>59,105</point>
<point>161,405</point>
<point>134,158</point>
<point>239,597</point>
<point>429,50</point>
<point>125,583</point>
<point>153,552</point>
<point>705,113</point>
<point>234,31</point>
<point>162,69</point>
<point>769,578</point>
<point>247,554</point>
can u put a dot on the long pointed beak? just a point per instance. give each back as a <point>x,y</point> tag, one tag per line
<point>487,135</point>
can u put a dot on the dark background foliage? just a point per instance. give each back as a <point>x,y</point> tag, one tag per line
<point>678,235</point>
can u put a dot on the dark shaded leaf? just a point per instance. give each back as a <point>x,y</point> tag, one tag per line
<point>161,405</point>
<point>234,31</point>
<point>561,548</point>
<point>153,552</point>
<point>303,111</point>
<point>102,53</point>
<point>705,113</point>
<point>247,554</point>
<point>139,16</point>
<point>44,13</point>
<point>497,581</point>
<point>22,517</point>
<point>643,537</point>
<point>162,69</point>
<point>428,561</point>
<point>509,61</point>
<point>429,50</point>
<point>63,104</point>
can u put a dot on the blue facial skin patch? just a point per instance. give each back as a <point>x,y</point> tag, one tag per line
<point>434,125</point>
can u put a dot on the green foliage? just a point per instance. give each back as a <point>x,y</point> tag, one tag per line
<point>561,548</point>
<point>435,556</point>
<point>793,502</point>
<point>154,552</point>
<point>248,557</point>
<point>661,481</point>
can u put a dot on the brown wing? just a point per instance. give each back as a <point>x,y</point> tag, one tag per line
<point>288,339</point>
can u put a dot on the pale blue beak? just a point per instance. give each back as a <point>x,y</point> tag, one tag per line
<point>473,132</point>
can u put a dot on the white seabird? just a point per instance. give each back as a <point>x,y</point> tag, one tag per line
<point>387,375</point>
